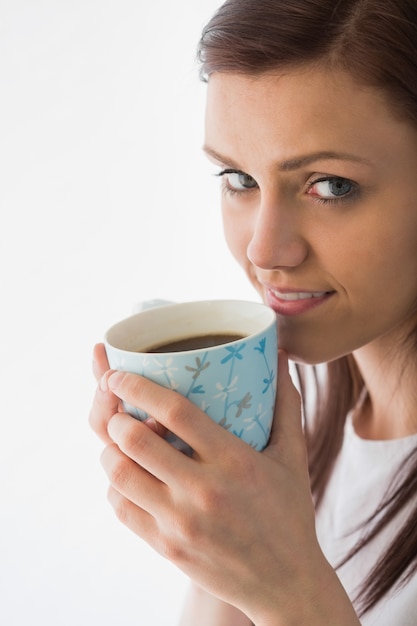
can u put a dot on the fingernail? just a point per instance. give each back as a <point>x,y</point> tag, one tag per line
<point>114,380</point>
<point>151,423</point>
<point>103,383</point>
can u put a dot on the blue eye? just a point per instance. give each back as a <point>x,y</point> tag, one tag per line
<point>332,188</point>
<point>236,181</point>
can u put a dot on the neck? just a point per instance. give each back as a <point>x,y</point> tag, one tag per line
<point>388,409</point>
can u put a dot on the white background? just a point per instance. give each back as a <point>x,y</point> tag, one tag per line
<point>105,200</point>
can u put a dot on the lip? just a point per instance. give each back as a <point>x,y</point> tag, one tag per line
<point>291,302</point>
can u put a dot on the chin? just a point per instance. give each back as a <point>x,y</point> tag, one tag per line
<point>306,360</point>
<point>304,353</point>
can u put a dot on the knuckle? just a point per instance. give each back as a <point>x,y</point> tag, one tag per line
<point>171,550</point>
<point>95,415</point>
<point>189,529</point>
<point>135,438</point>
<point>176,412</point>
<point>101,411</point>
<point>193,525</point>
<point>120,506</point>
<point>242,464</point>
<point>210,500</point>
<point>188,533</point>
<point>119,472</point>
<point>93,421</point>
<point>132,438</point>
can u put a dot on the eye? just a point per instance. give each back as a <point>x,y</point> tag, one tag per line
<point>237,181</point>
<point>332,188</point>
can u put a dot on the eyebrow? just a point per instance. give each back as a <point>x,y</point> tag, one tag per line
<point>297,162</point>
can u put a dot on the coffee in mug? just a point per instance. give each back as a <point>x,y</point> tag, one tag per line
<point>194,343</point>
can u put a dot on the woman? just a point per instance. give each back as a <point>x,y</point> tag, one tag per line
<point>312,121</point>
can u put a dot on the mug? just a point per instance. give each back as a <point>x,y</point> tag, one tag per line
<point>220,354</point>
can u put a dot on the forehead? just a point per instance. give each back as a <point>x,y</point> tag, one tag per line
<point>301,110</point>
<point>317,91</point>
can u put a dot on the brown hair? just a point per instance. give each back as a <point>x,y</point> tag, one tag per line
<point>376,42</point>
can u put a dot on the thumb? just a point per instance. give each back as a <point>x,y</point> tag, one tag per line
<point>287,432</point>
<point>100,362</point>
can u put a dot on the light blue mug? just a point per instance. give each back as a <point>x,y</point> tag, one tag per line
<point>234,382</point>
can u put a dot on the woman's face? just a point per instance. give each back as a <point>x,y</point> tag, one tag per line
<point>319,199</point>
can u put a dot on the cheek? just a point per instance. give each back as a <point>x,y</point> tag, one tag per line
<point>380,277</point>
<point>237,233</point>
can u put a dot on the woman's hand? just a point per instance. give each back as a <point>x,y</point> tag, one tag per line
<point>105,403</point>
<point>238,522</point>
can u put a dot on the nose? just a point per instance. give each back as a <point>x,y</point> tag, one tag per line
<point>277,241</point>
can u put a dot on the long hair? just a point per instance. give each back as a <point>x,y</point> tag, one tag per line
<point>376,42</point>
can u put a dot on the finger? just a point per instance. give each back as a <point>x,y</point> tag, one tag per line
<point>287,429</point>
<point>150,451</point>
<point>100,362</point>
<point>174,412</point>
<point>105,405</point>
<point>132,481</point>
<point>136,519</point>
<point>155,426</point>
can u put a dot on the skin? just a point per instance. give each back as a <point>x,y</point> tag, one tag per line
<point>187,512</point>
<point>290,232</point>
<point>358,255</point>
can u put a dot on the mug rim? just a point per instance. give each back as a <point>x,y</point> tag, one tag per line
<point>259,318</point>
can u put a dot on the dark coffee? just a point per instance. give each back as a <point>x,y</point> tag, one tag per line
<point>194,343</point>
